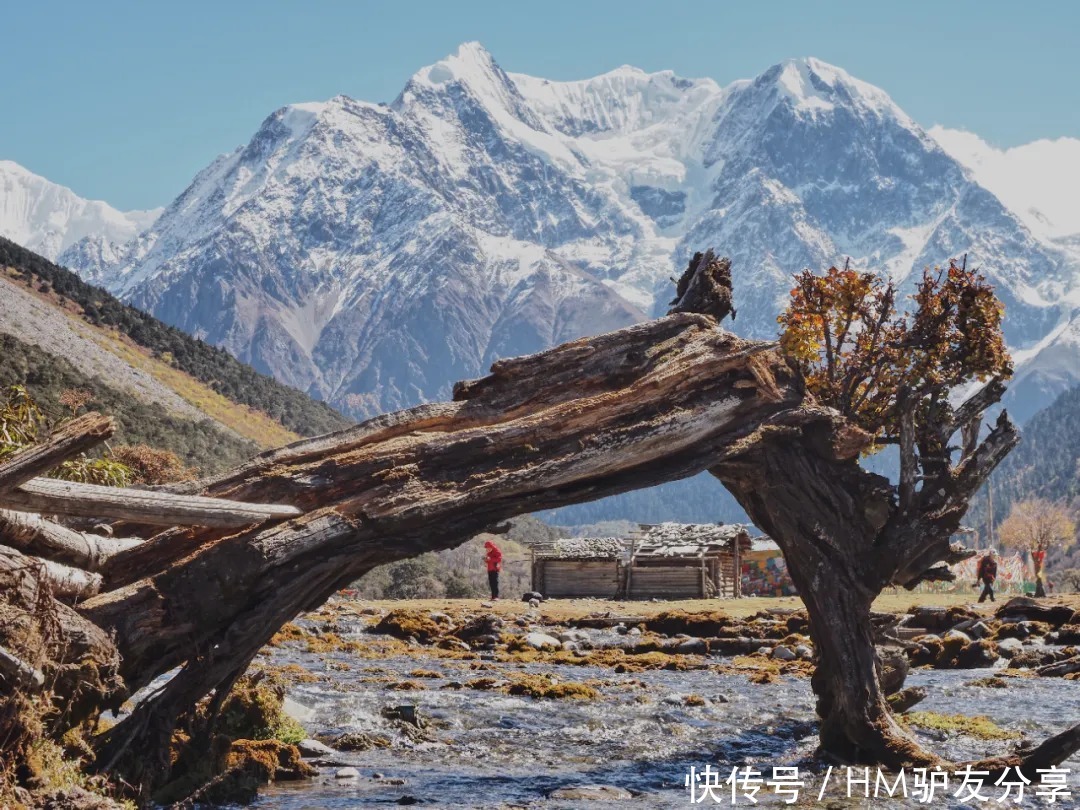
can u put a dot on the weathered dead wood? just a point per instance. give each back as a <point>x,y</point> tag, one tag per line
<point>70,439</point>
<point>594,417</point>
<point>1060,669</point>
<point>39,537</point>
<point>78,658</point>
<point>705,287</point>
<point>20,674</point>
<point>63,581</point>
<point>73,499</point>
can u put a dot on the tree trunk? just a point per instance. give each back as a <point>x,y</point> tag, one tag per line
<point>599,416</point>
<point>825,513</point>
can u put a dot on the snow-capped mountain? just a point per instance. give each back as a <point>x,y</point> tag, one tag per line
<point>373,254</point>
<point>1037,180</point>
<point>52,220</point>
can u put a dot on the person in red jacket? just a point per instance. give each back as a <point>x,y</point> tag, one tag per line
<point>494,566</point>
<point>987,574</point>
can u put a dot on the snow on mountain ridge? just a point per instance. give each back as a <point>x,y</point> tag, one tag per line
<point>1038,180</point>
<point>372,254</point>
<point>51,219</point>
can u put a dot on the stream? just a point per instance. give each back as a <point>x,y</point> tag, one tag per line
<point>488,749</point>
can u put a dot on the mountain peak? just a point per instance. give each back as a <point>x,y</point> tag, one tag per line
<point>469,64</point>
<point>813,86</point>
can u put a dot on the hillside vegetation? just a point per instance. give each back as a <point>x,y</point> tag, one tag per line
<point>199,443</point>
<point>214,368</point>
<point>1045,465</point>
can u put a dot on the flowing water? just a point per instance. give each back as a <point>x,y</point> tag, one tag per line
<point>487,749</point>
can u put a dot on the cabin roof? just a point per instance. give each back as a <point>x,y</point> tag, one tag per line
<point>689,539</point>
<point>582,548</point>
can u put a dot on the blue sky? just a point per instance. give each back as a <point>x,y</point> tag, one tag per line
<point>126,101</point>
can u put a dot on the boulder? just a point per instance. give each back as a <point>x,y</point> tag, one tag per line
<point>314,748</point>
<point>1009,647</point>
<point>347,773</point>
<point>1024,607</point>
<point>542,641</point>
<point>804,652</point>
<point>782,653</point>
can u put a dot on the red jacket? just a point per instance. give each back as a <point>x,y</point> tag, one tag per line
<point>494,558</point>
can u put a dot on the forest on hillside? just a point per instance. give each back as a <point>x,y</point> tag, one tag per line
<point>1046,465</point>
<point>215,367</point>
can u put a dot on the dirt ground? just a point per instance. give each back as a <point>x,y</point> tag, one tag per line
<point>892,601</point>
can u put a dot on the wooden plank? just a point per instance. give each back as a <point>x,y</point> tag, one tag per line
<point>71,499</point>
<point>72,438</point>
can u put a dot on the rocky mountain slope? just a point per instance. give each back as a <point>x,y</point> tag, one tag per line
<point>372,254</point>
<point>162,386</point>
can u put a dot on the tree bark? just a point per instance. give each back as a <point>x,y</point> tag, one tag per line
<point>634,408</point>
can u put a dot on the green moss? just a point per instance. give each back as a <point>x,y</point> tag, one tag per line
<point>980,727</point>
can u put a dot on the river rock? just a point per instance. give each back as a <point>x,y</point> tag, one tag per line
<point>804,652</point>
<point>603,793</point>
<point>958,635</point>
<point>571,646</point>
<point>783,653</point>
<point>1010,647</point>
<point>407,713</point>
<point>540,641</point>
<point>314,748</point>
<point>347,773</point>
<point>634,631</point>
<point>692,646</point>
<point>621,629</point>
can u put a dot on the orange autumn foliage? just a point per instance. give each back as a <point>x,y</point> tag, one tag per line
<point>870,362</point>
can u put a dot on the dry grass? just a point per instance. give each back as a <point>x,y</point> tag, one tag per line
<point>562,610</point>
<point>248,422</point>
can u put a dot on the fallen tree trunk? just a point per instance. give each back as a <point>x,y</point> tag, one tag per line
<point>73,499</point>
<point>35,535</point>
<point>634,408</point>
<point>596,417</point>
<point>74,437</point>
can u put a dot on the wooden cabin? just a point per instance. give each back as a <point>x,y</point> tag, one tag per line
<point>580,567</point>
<point>687,561</point>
